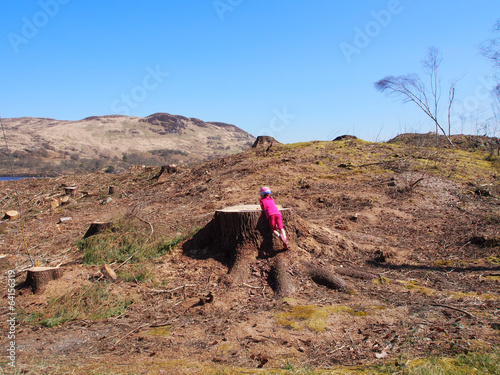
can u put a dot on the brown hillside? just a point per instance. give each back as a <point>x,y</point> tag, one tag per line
<point>412,232</point>
<point>42,146</point>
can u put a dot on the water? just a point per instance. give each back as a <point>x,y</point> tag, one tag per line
<point>12,178</point>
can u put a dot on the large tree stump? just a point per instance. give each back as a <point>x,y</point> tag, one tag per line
<point>243,234</point>
<point>37,278</point>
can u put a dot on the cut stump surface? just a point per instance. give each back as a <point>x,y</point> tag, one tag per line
<point>37,278</point>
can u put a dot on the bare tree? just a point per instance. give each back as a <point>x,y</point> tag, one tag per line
<point>491,48</point>
<point>410,88</point>
<point>451,97</point>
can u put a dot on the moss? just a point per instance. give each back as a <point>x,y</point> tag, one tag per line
<point>492,277</point>
<point>493,260</point>
<point>315,318</point>
<point>381,280</point>
<point>160,331</point>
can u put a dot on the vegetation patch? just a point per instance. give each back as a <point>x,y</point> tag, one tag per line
<point>313,317</point>
<point>126,242</point>
<point>160,331</point>
<point>94,302</point>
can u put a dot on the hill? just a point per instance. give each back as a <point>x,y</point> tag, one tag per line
<point>52,147</point>
<point>412,231</point>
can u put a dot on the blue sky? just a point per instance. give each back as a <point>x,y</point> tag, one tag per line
<point>295,70</point>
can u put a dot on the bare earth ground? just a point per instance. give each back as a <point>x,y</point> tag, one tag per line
<point>424,222</point>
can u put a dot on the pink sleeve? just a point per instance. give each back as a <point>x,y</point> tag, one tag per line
<point>269,207</point>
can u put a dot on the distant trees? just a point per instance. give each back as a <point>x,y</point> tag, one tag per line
<point>491,50</point>
<point>411,88</point>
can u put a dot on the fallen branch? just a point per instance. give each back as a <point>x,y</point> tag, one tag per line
<point>172,290</point>
<point>453,308</point>
<point>251,286</point>
<point>128,334</point>
<point>145,221</point>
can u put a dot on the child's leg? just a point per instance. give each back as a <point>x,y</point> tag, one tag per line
<point>282,234</point>
<point>272,223</point>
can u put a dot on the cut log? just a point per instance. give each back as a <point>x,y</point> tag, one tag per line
<point>98,227</point>
<point>323,276</point>
<point>37,278</point>
<point>108,273</point>
<point>282,279</point>
<point>11,215</point>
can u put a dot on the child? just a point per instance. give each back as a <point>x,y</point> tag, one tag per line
<point>273,215</point>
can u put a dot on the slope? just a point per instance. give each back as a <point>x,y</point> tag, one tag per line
<point>414,231</point>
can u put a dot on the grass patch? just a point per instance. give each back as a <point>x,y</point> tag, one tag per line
<point>138,272</point>
<point>127,242</point>
<point>473,363</point>
<point>94,302</point>
<point>477,363</point>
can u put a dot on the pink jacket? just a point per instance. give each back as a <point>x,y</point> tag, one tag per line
<point>269,207</point>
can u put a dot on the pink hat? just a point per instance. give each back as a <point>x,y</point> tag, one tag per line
<point>264,190</point>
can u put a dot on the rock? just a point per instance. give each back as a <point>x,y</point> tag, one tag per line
<point>64,219</point>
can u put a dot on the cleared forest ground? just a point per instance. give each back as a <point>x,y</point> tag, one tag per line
<point>423,222</point>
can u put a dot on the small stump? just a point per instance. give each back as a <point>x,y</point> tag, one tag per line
<point>37,278</point>
<point>98,227</point>
<point>11,215</point>
<point>70,190</point>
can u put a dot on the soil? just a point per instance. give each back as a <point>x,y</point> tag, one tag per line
<point>417,243</point>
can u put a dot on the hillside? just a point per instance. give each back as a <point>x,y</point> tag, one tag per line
<point>413,231</point>
<point>45,146</point>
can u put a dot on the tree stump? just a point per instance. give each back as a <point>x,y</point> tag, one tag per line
<point>98,227</point>
<point>37,278</point>
<point>165,171</point>
<point>11,215</point>
<point>70,190</point>
<point>264,141</point>
<point>243,234</point>
<point>108,273</point>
